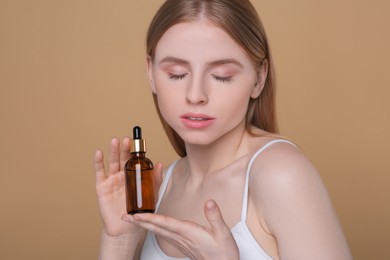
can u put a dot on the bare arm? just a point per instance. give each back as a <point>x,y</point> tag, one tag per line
<point>295,206</point>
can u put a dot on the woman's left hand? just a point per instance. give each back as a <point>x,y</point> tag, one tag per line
<point>193,240</point>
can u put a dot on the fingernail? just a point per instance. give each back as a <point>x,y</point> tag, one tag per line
<point>210,205</point>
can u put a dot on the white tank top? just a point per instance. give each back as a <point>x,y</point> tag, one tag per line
<point>247,244</point>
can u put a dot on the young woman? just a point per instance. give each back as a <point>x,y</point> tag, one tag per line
<point>239,191</point>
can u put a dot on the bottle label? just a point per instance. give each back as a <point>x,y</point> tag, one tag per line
<point>138,182</point>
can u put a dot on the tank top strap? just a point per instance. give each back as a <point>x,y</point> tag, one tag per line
<point>164,184</point>
<point>244,209</point>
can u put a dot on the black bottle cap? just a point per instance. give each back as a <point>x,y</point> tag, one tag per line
<point>139,144</point>
<point>137,132</point>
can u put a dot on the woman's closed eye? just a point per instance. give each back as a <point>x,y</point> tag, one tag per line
<point>226,79</point>
<point>223,79</point>
<point>177,76</point>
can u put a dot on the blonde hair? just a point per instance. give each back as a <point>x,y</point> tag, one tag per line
<point>239,19</point>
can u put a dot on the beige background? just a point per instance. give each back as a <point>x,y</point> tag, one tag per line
<point>72,76</point>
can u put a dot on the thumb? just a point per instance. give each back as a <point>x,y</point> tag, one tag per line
<point>214,217</point>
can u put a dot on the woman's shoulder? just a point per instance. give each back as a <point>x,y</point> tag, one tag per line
<point>279,167</point>
<point>283,179</point>
<point>277,158</point>
<point>271,144</point>
<point>292,202</point>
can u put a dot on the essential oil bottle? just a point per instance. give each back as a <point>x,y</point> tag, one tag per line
<point>139,177</point>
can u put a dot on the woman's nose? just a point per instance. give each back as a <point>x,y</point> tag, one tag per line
<point>196,92</point>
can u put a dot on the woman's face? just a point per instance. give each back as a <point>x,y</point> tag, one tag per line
<point>203,81</point>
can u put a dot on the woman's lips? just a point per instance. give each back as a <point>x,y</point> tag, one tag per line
<point>197,121</point>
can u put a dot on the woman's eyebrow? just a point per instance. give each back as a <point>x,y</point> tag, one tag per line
<point>171,59</point>
<point>224,61</point>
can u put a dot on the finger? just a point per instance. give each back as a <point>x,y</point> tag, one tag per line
<point>125,151</point>
<point>183,235</point>
<point>127,218</point>
<point>165,226</point>
<point>175,239</point>
<point>214,217</point>
<point>113,161</point>
<point>99,167</point>
<point>153,219</point>
<point>160,223</point>
<point>142,222</point>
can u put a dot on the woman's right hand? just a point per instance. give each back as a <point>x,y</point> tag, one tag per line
<point>110,188</point>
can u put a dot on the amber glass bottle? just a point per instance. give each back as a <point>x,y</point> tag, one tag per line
<point>139,177</point>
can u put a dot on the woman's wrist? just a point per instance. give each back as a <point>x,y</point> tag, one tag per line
<point>118,247</point>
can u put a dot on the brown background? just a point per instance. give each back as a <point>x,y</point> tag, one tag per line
<point>72,76</point>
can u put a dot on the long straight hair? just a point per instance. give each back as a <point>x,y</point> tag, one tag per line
<point>239,19</point>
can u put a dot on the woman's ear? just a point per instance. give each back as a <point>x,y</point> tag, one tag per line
<point>149,71</point>
<point>261,79</point>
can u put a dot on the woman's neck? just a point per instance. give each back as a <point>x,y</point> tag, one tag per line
<point>205,159</point>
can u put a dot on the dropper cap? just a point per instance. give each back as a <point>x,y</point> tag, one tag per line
<point>139,144</point>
